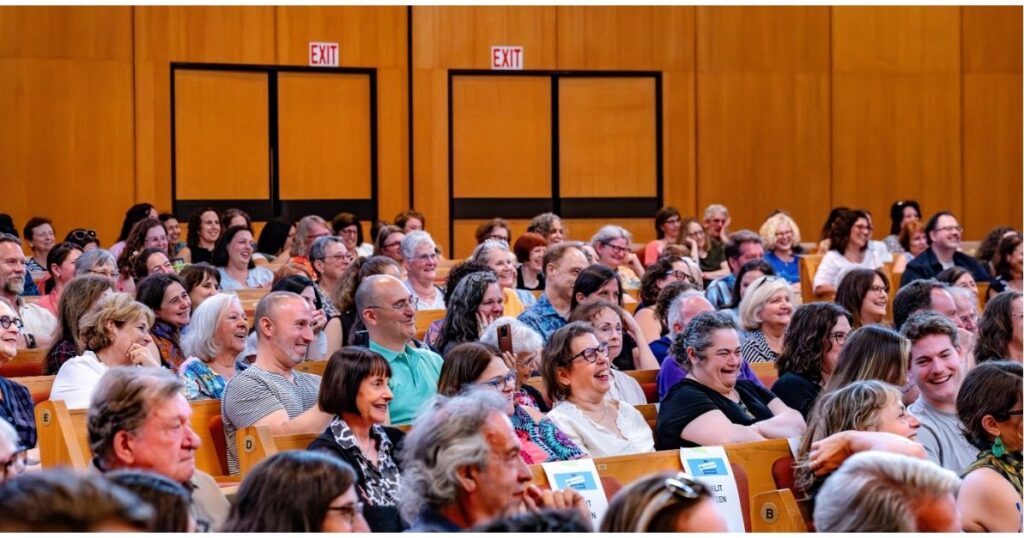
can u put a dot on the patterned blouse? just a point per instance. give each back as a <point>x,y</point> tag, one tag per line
<point>755,348</point>
<point>168,341</point>
<point>543,441</point>
<point>201,382</point>
<point>1009,467</point>
<point>380,487</point>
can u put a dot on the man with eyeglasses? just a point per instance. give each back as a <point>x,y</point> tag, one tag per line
<point>388,309</point>
<point>271,392</point>
<point>39,324</point>
<point>937,371</point>
<point>943,233</point>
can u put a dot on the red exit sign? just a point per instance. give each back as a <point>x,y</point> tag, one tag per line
<point>323,54</point>
<point>504,57</point>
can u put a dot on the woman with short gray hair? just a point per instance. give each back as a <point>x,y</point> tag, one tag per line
<point>98,262</point>
<point>711,406</point>
<point>215,337</point>
<point>527,346</point>
<point>613,246</point>
<point>496,255</point>
<point>420,254</point>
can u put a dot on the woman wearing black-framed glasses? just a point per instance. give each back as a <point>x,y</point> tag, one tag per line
<point>577,376</point>
<point>663,502</point>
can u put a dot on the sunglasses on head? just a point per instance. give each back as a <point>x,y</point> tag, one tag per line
<point>82,234</point>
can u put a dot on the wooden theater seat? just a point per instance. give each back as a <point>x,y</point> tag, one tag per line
<point>423,320</point>
<point>766,372</point>
<point>312,367</point>
<point>39,385</point>
<point>28,362</point>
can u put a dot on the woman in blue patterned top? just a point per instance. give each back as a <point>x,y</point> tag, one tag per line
<point>215,337</point>
<point>473,363</point>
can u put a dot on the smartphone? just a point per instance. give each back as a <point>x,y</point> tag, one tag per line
<point>505,338</point>
<point>361,338</point>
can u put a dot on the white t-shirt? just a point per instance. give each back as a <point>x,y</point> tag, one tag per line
<point>599,441</point>
<point>258,277</point>
<point>834,267</point>
<point>76,380</point>
<point>37,320</point>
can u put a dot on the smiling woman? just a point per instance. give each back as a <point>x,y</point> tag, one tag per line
<point>216,335</point>
<point>166,296</point>
<point>233,258</point>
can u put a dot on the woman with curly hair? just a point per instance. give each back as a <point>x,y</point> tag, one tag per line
<point>147,233</point>
<point>848,249</point>
<point>203,232</point>
<point>810,353</point>
<point>999,330</point>
<point>476,302</point>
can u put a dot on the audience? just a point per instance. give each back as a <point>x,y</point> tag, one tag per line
<point>348,227</point>
<point>526,347</point>
<point>716,224</point>
<point>781,236</point>
<point>169,500</point>
<point>344,297</point>
<point>203,232</point>
<point>668,294</point>
<point>848,238</point>
<point>943,232</point>
<point>355,391</point>
<point>496,255</point>
<point>480,365</point>
<point>271,392</point>
<point>41,239</point>
<point>810,354</point>
<point>912,242</point>
<point>711,406</point>
<point>607,320</point>
<point>233,258</point>
<point>901,213</point>
<point>577,375</point>
<point>598,283</point>
<point>139,419</point>
<point>663,502</point>
<point>150,261</point>
<point>147,233</point>
<point>60,264</point>
<point>410,221</point>
<point>389,243</point>
<point>38,324</point>
<point>562,264</point>
<point>78,297</point>
<point>661,273</point>
<point>420,255</point>
<point>297,491</point>
<point>275,241</point>
<point>65,500</point>
<point>234,217</point>
<point>16,405</point>
<point>881,492</point>
<point>165,296</point>
<point>958,277</point>
<point>547,520</point>
<point>1008,270</point>
<point>388,309</point>
<point>765,312</point>
<point>475,303</point>
<point>307,229</point>
<point>327,332</point>
<point>667,223</point>
<point>463,467</point>
<point>966,309</point>
<point>694,239</point>
<point>613,246</point>
<point>496,229</point>
<point>330,259</point>
<point>749,272</point>
<point>114,332</point>
<point>214,339</point>
<point>924,294</point>
<point>864,293</point>
<point>742,247</point>
<point>97,262</point>
<point>202,281</point>
<point>174,243</point>
<point>873,352</point>
<point>989,406</point>
<point>999,329</point>
<point>986,251</point>
<point>548,226</point>
<point>530,249</point>
<point>936,370</point>
<point>134,214</point>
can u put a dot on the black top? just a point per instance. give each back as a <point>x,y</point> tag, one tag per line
<point>200,254</point>
<point>520,285</point>
<point>625,359</point>
<point>689,399</point>
<point>797,392</point>
<point>927,265</point>
<point>379,518</point>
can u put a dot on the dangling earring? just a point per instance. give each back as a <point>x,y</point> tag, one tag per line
<point>998,449</point>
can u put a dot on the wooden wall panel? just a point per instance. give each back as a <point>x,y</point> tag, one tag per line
<point>607,137</point>
<point>992,96</point>
<point>460,37</point>
<point>66,121</point>
<point>324,136</point>
<point>896,108</point>
<point>165,34</point>
<point>763,112</point>
<point>222,132</point>
<point>647,38</point>
<point>502,137</point>
<point>367,37</point>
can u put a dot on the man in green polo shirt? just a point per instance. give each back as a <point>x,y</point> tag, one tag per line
<point>388,310</point>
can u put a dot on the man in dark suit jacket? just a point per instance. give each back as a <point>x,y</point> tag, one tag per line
<point>943,233</point>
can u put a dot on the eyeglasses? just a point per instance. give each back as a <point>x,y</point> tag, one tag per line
<point>391,244</point>
<point>349,231</point>
<point>7,321</point>
<point>425,257</point>
<point>348,511</point>
<point>617,249</point>
<point>681,487</point>
<point>590,354</point>
<point>16,464</point>
<point>681,275</point>
<point>879,289</point>
<point>498,237</point>
<point>338,257</point>
<point>839,337</point>
<point>402,305</point>
<point>866,227</point>
<point>957,229</point>
<point>673,220</point>
<point>82,234</point>
<point>968,319</point>
<point>99,272</point>
<point>502,383</point>
<point>1016,413</point>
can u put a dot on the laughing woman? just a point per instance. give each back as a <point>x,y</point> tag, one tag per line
<point>848,249</point>
<point>165,295</point>
<point>215,337</point>
<point>233,258</point>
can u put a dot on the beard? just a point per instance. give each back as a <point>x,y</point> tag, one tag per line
<point>14,286</point>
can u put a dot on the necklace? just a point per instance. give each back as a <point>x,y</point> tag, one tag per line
<point>590,413</point>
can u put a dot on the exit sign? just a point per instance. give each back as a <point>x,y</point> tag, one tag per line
<point>323,54</point>
<point>507,58</point>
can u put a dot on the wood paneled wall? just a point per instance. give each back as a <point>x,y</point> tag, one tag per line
<point>763,107</point>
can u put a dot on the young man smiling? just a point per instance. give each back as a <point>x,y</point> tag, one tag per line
<point>935,368</point>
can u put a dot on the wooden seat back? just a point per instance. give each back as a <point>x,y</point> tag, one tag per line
<point>808,268</point>
<point>38,385</point>
<point>648,380</point>
<point>312,367</point>
<point>766,372</point>
<point>256,443</point>
<point>64,435</point>
<point>27,363</point>
<point>423,320</point>
<point>982,296</point>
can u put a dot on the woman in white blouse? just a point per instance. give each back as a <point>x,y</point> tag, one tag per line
<point>115,332</point>
<point>577,374</point>
<point>233,258</point>
<point>848,249</point>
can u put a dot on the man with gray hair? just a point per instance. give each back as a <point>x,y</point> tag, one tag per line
<point>742,247</point>
<point>271,392</point>
<point>39,323</point>
<point>419,253</point>
<point>716,222</point>
<point>681,311</point>
<point>883,492</point>
<point>463,467</point>
<point>388,309</point>
<point>139,419</point>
